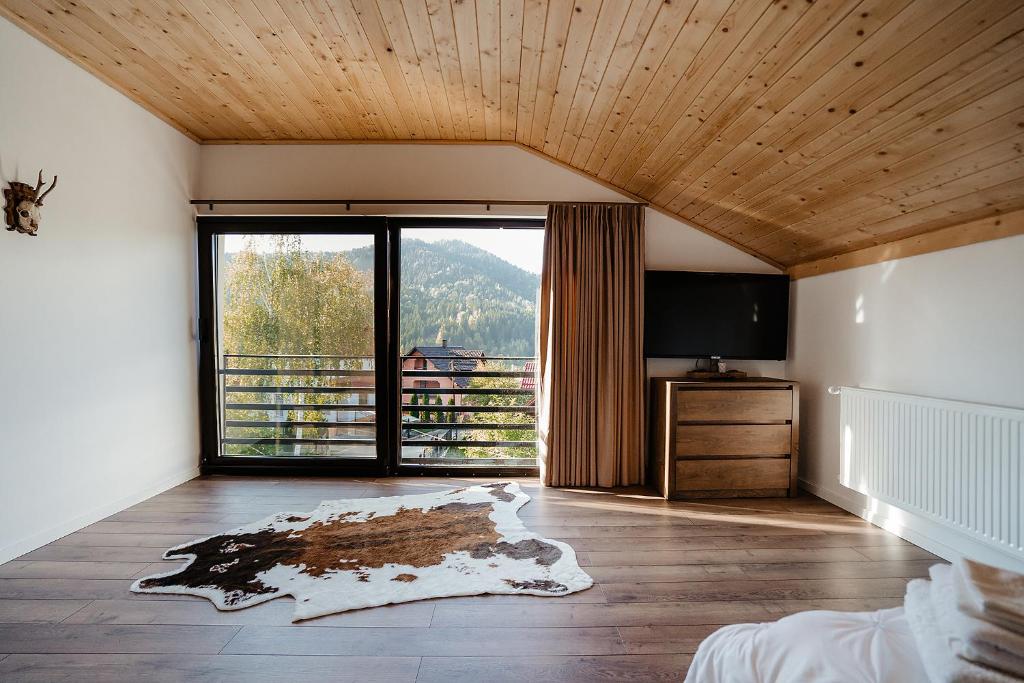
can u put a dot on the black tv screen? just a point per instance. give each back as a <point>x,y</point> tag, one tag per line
<point>728,315</point>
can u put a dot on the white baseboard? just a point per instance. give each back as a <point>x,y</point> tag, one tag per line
<point>938,539</point>
<point>41,538</point>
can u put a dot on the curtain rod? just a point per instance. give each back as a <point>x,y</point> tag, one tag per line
<point>349,202</point>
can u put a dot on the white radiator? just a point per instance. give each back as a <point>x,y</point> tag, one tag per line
<point>955,463</point>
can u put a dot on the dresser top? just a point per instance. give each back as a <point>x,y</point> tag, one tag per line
<point>745,381</point>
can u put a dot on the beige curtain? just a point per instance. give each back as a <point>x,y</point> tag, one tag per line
<point>591,421</point>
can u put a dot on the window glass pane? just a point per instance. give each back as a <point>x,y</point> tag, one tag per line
<point>468,339</point>
<point>295,334</point>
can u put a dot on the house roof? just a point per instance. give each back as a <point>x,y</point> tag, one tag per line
<point>449,358</point>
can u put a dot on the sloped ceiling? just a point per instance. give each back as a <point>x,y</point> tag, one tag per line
<point>797,129</point>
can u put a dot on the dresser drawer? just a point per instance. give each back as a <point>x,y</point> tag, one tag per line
<point>719,475</point>
<point>733,439</point>
<point>724,439</point>
<point>734,405</point>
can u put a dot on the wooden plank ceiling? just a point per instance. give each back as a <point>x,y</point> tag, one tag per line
<point>797,129</point>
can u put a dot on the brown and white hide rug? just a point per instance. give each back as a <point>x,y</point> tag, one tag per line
<point>350,554</point>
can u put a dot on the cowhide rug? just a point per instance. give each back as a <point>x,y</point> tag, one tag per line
<point>350,554</point>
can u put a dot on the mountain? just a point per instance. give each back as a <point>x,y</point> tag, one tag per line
<point>453,290</point>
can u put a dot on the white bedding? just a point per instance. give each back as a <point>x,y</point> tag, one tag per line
<point>817,646</point>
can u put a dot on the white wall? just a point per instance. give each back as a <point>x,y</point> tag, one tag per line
<point>947,325</point>
<point>97,364</point>
<point>426,171</point>
<point>431,171</point>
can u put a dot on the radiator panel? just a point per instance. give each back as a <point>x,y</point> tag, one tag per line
<point>955,463</point>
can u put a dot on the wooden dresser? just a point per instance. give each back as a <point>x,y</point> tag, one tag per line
<point>724,438</point>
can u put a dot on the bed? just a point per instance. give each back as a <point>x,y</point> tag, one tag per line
<point>965,624</point>
<point>818,646</point>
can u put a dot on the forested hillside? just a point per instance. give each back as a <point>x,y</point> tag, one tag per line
<point>453,290</point>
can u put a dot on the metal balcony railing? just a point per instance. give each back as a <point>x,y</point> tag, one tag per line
<point>456,410</point>
<point>468,409</point>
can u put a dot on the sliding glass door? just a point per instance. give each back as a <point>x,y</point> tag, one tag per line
<point>369,345</point>
<point>468,331</point>
<point>294,343</point>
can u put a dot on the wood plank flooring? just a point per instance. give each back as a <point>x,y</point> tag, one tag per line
<point>667,575</point>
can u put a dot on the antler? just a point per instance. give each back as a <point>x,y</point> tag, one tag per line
<point>39,184</point>
<point>39,200</point>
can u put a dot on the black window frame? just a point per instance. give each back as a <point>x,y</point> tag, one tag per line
<point>387,286</point>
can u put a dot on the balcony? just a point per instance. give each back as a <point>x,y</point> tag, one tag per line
<point>476,412</point>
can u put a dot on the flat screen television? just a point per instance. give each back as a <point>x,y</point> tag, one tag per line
<point>723,315</point>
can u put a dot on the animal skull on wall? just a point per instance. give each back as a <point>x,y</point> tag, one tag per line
<point>22,202</point>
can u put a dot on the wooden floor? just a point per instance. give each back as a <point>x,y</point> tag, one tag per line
<point>667,575</point>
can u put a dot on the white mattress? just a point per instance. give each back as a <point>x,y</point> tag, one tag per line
<point>818,646</point>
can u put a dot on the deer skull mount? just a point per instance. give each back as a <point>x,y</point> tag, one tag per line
<point>21,205</point>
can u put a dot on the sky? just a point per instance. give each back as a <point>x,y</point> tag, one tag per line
<point>523,248</point>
